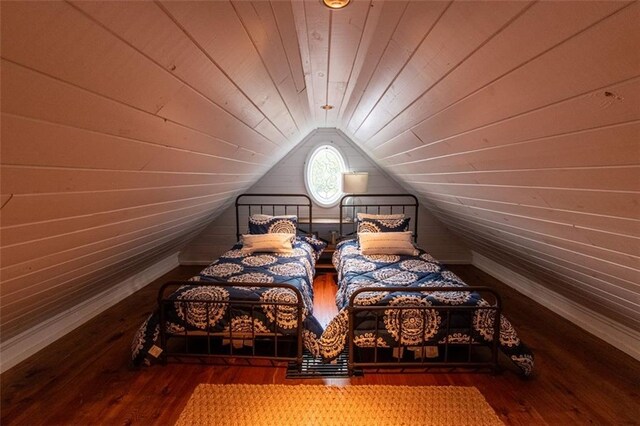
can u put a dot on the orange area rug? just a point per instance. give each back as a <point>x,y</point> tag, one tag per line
<point>284,405</point>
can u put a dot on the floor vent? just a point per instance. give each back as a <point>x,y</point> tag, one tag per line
<point>313,367</point>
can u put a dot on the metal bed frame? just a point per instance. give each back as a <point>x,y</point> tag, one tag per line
<point>216,340</point>
<point>282,208</point>
<point>356,312</point>
<point>212,344</point>
<point>362,313</point>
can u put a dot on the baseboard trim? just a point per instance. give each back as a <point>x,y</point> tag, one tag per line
<point>27,343</point>
<point>612,332</point>
<point>196,262</point>
<point>455,261</point>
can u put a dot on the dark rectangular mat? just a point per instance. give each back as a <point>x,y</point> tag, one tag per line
<point>313,367</point>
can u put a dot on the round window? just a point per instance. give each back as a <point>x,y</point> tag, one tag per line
<point>323,175</point>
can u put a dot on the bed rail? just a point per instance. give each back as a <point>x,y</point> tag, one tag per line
<point>213,342</point>
<point>360,313</point>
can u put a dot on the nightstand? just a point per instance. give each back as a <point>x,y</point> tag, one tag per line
<point>324,265</point>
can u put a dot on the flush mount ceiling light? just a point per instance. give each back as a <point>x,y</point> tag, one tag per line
<point>336,4</point>
<point>327,107</point>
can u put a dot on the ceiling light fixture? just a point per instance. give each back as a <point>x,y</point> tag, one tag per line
<point>327,107</point>
<point>335,4</point>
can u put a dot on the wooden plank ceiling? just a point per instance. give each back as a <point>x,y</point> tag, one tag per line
<point>128,126</point>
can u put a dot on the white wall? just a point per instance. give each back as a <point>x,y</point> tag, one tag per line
<point>125,130</point>
<point>522,135</point>
<point>287,176</point>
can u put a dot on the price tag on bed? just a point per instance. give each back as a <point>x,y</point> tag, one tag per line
<point>155,351</point>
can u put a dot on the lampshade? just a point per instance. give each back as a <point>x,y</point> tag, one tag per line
<point>355,182</point>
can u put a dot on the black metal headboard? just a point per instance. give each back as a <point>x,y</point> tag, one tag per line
<point>274,204</point>
<point>351,204</point>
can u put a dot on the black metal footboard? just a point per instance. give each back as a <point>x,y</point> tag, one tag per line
<point>186,342</point>
<point>444,351</point>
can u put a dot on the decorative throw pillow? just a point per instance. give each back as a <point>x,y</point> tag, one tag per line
<point>265,224</point>
<point>383,225</point>
<point>270,243</point>
<point>317,245</point>
<point>387,243</point>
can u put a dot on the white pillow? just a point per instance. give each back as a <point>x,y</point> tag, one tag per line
<point>270,243</point>
<point>380,216</point>
<point>387,243</point>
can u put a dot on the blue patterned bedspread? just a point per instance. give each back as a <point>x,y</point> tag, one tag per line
<point>297,269</point>
<point>356,270</point>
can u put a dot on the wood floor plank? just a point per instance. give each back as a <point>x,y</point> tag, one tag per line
<point>85,377</point>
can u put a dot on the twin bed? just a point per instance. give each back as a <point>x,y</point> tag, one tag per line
<point>255,301</point>
<point>398,307</point>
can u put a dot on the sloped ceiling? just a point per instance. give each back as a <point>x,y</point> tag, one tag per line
<point>128,126</point>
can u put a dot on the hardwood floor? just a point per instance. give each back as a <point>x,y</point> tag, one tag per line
<point>85,377</point>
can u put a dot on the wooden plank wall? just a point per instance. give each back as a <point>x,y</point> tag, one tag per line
<point>520,124</point>
<point>126,127</point>
<point>288,177</point>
